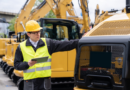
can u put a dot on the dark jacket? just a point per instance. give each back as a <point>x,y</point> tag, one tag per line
<point>53,46</point>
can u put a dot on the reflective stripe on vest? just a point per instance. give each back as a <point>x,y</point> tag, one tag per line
<point>39,70</point>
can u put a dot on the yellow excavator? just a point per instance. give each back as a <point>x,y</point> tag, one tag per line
<point>104,15</point>
<point>59,8</point>
<point>62,72</point>
<point>102,61</point>
<point>3,34</point>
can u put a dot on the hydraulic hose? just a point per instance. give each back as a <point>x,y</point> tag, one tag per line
<point>86,8</point>
<point>42,4</point>
<point>22,7</point>
<point>79,4</point>
<point>25,4</point>
<point>72,3</point>
<point>56,2</point>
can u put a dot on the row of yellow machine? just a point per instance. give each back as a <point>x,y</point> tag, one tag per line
<point>67,28</point>
<point>59,29</point>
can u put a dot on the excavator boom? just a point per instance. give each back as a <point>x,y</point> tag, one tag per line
<point>59,8</point>
<point>23,16</point>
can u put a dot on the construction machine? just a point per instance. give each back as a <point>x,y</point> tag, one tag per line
<point>4,32</point>
<point>59,8</point>
<point>102,61</point>
<point>58,29</point>
<point>104,15</point>
<point>4,39</point>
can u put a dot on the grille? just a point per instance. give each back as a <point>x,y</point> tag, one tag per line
<point>121,27</point>
<point>117,51</point>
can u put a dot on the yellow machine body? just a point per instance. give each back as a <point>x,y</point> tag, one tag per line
<point>9,52</point>
<point>76,88</point>
<point>3,42</point>
<point>115,25</point>
<point>18,73</point>
<point>109,24</point>
<point>10,62</point>
<point>62,62</point>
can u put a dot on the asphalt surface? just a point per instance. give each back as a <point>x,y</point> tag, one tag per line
<point>5,82</point>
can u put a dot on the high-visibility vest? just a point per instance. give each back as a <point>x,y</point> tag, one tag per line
<point>39,70</point>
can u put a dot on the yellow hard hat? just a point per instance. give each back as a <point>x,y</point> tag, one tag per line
<point>32,26</point>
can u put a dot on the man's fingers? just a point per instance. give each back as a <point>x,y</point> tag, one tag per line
<point>34,62</point>
<point>31,63</point>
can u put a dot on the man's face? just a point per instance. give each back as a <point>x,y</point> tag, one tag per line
<point>34,36</point>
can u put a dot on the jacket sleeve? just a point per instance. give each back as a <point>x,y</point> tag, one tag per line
<point>56,45</point>
<point>18,60</point>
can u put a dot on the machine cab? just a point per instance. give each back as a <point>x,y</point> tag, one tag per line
<point>103,63</point>
<point>59,29</point>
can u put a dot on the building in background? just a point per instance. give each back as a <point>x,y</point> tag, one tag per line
<point>4,32</point>
<point>5,18</point>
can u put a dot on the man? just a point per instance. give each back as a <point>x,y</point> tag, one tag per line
<point>37,76</point>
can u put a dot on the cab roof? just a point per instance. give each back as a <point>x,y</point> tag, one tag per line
<point>105,39</point>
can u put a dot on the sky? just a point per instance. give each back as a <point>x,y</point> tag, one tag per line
<point>106,5</point>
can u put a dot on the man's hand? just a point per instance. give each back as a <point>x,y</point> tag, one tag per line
<point>31,63</point>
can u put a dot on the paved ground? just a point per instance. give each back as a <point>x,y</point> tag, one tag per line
<point>5,82</point>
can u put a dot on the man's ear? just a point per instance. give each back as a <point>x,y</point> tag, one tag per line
<point>28,34</point>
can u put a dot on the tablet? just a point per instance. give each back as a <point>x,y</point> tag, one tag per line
<point>40,59</point>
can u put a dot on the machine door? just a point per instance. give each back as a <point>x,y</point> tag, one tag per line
<point>61,30</point>
<point>100,66</point>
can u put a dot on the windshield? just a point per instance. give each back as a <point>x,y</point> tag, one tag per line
<point>101,60</point>
<point>59,32</point>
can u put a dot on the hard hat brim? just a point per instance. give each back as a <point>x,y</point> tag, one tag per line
<point>36,29</point>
